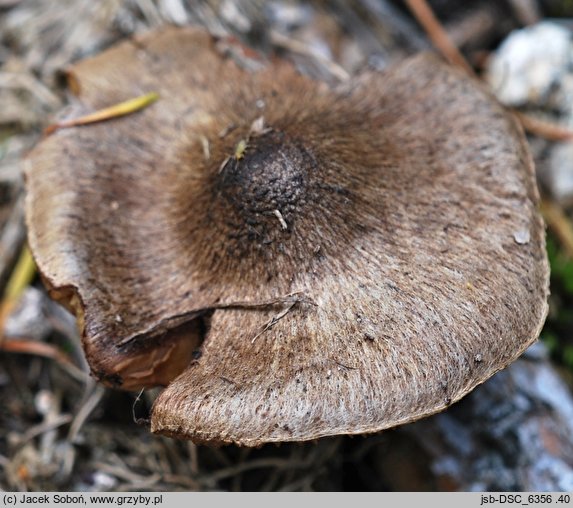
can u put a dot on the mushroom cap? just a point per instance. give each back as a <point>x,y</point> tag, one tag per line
<point>293,260</point>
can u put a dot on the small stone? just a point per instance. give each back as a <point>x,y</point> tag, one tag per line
<point>529,63</point>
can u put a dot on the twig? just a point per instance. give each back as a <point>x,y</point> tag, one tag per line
<point>301,48</point>
<point>85,410</point>
<point>90,402</point>
<point>32,347</point>
<point>44,427</point>
<point>437,34</point>
<point>543,128</point>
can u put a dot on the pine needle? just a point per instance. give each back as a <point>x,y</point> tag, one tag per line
<point>437,34</point>
<point>21,276</point>
<point>115,111</point>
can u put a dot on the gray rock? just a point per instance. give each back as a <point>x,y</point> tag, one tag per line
<point>530,63</point>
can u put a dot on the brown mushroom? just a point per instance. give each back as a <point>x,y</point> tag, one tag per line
<point>293,260</point>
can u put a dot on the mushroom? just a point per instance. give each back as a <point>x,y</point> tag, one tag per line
<point>292,259</point>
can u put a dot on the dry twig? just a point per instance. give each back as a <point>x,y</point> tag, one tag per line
<point>32,347</point>
<point>437,34</point>
<point>301,48</point>
<point>544,129</point>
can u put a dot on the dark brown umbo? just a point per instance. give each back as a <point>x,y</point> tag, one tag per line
<point>293,260</point>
